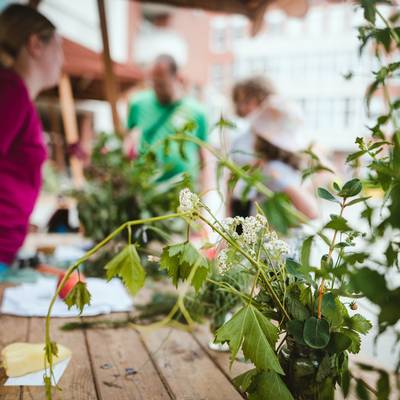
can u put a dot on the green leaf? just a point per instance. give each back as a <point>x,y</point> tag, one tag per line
<point>243,381</point>
<point>359,324</point>
<point>331,311</point>
<point>359,200</point>
<point>351,188</point>
<point>295,329</point>
<point>316,333</point>
<point>383,385</point>
<point>338,223</point>
<point>180,259</point>
<point>371,283</point>
<point>50,350</point>
<point>339,342</point>
<point>268,385</point>
<point>306,251</point>
<point>355,340</point>
<point>324,194</point>
<point>128,267</point>
<point>79,296</point>
<point>361,390</point>
<point>255,334</point>
<point>355,156</point>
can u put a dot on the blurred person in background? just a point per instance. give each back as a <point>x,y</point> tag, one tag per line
<point>272,141</point>
<point>154,115</point>
<point>31,59</point>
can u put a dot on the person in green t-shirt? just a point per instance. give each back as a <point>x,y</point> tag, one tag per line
<point>154,115</point>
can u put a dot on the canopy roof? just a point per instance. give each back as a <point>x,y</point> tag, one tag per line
<point>85,68</point>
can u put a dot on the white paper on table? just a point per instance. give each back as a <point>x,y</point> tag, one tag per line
<point>32,299</point>
<point>36,378</point>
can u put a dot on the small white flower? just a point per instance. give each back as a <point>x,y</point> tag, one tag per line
<point>277,247</point>
<point>188,201</point>
<point>251,227</point>
<point>222,261</point>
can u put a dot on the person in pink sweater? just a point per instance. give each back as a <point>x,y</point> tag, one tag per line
<point>30,61</point>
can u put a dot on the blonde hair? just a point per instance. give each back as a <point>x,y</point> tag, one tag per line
<point>17,23</point>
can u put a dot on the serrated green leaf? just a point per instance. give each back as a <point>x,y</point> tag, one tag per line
<point>79,296</point>
<point>243,381</point>
<point>338,343</point>
<point>255,334</point>
<point>268,385</point>
<point>128,267</point>
<point>316,333</point>
<point>355,340</point>
<point>180,259</point>
<point>359,324</point>
<point>324,194</point>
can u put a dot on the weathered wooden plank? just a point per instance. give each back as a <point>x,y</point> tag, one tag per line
<point>122,367</point>
<point>203,335</point>
<point>186,368</point>
<point>77,382</point>
<point>12,329</point>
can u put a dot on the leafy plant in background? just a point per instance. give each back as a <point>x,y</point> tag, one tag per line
<point>119,189</point>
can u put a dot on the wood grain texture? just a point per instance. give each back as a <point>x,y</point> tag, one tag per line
<point>185,368</point>
<point>115,351</point>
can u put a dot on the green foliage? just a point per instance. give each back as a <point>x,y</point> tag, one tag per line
<point>79,296</point>
<point>250,330</point>
<point>128,267</point>
<point>316,333</point>
<point>180,259</point>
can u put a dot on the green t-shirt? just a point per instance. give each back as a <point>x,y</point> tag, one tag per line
<point>158,121</point>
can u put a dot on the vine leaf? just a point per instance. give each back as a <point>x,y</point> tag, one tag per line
<point>79,296</point>
<point>250,330</point>
<point>263,385</point>
<point>180,259</point>
<point>128,267</point>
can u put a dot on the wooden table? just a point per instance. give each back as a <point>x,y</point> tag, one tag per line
<point>170,364</point>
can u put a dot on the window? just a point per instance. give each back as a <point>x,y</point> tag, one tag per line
<point>218,36</point>
<point>217,76</point>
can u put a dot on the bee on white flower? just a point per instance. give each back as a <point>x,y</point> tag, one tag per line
<point>188,201</point>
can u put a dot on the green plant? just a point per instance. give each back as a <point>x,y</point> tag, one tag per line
<point>276,297</point>
<point>119,189</point>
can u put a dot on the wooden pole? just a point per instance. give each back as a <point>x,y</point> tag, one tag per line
<point>110,82</point>
<point>70,127</point>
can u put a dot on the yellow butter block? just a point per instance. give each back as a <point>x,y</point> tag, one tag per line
<point>19,359</point>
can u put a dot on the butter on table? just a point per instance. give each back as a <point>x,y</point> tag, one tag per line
<point>19,359</point>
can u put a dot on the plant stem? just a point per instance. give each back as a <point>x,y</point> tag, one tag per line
<point>82,260</point>
<point>394,34</point>
<point>252,261</point>
<point>330,251</point>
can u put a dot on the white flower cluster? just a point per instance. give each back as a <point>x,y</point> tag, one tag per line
<point>188,201</point>
<point>275,246</point>
<point>222,261</point>
<point>254,230</point>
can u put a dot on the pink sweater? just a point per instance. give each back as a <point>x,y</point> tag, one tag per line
<point>22,153</point>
